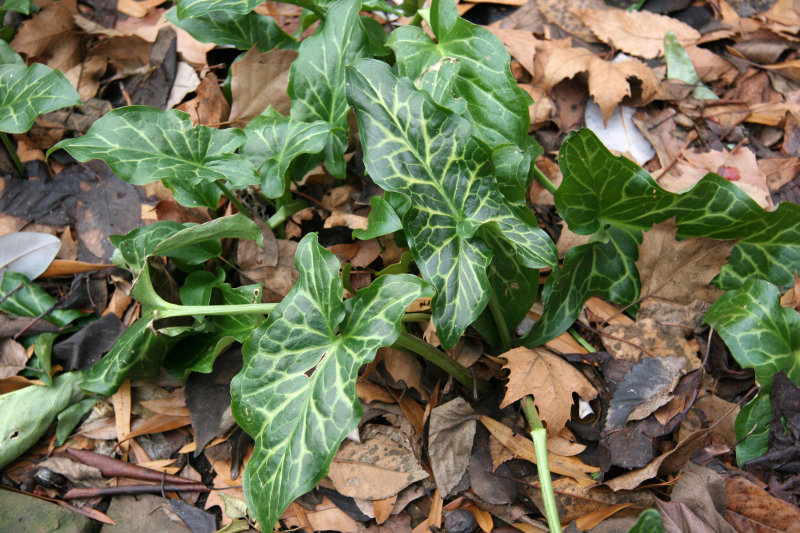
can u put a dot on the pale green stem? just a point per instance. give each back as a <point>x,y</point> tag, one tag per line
<point>413,344</point>
<point>541,178</point>
<point>582,341</point>
<point>499,321</point>
<point>285,211</point>
<point>539,436</point>
<point>167,310</point>
<point>234,200</point>
<point>12,153</point>
<point>416,317</point>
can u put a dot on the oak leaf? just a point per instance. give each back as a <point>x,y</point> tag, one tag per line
<point>550,380</point>
<point>608,82</point>
<point>639,33</point>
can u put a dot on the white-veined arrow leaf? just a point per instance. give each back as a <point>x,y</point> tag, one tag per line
<point>194,8</point>
<point>275,146</point>
<point>26,7</point>
<point>26,92</point>
<point>497,106</point>
<point>143,144</point>
<point>382,220</point>
<point>427,153</point>
<point>229,28</point>
<point>20,297</point>
<point>9,56</point>
<point>763,336</point>
<point>295,394</point>
<point>316,79</point>
<point>236,226</point>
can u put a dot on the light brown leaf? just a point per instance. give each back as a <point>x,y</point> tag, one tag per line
<point>450,438</point>
<point>86,76</point>
<point>639,33</point>
<point>520,44</point>
<point>13,358</point>
<point>558,12</point>
<point>647,338</point>
<point>383,508</point>
<point>209,107</point>
<point>608,82</point>
<point>375,469</point>
<point>550,380</point>
<point>342,218</point>
<point>191,50</point>
<point>259,80</point>
<point>45,30</point>
<point>751,508</point>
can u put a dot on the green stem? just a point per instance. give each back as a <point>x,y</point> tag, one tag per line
<point>12,153</point>
<point>499,321</point>
<point>539,436</point>
<point>541,178</point>
<point>285,211</point>
<point>266,198</point>
<point>168,310</point>
<point>583,342</point>
<point>416,317</point>
<point>234,200</point>
<point>413,344</point>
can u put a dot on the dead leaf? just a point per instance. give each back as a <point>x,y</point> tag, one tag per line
<point>122,414</point>
<point>137,9</point>
<point>495,486</point>
<point>550,380</point>
<point>678,517</point>
<point>639,33</point>
<point>191,50</point>
<point>86,76</point>
<point>750,508</point>
<point>450,436</point>
<point>375,469</point>
<point>703,491</point>
<point>209,107</point>
<point>520,44</point>
<point>559,13</point>
<point>48,36</point>
<point>608,82</point>
<point>383,508</point>
<point>648,338</point>
<point>275,271</point>
<point>13,358</point>
<point>259,80</point>
<point>342,218</point>
<point>403,367</point>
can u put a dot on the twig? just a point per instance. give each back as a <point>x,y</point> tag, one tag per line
<point>100,492</point>
<point>111,467</point>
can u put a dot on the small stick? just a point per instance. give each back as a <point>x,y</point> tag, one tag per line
<point>99,492</point>
<point>111,467</point>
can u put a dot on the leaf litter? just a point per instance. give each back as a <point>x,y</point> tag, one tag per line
<point>420,457</point>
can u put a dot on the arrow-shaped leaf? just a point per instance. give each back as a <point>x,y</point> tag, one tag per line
<point>143,144</point>
<point>316,79</point>
<point>426,153</point>
<point>20,297</point>
<point>295,394</point>
<point>763,336</point>
<point>26,92</point>
<point>223,27</point>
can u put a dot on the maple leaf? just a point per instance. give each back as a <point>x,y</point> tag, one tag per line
<point>550,380</point>
<point>608,82</point>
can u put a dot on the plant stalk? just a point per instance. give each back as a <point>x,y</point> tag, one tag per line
<point>499,321</point>
<point>583,342</point>
<point>12,153</point>
<point>539,436</point>
<point>234,200</point>
<point>413,344</point>
<point>541,178</point>
<point>172,310</point>
<point>416,317</point>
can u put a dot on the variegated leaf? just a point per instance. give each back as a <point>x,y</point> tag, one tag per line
<point>223,27</point>
<point>26,92</point>
<point>295,394</point>
<point>427,153</point>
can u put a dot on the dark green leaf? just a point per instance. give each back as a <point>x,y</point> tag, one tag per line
<point>28,413</point>
<point>649,522</point>
<point>9,56</point>
<point>763,336</point>
<point>236,226</point>
<point>275,145</point>
<point>26,7</point>
<point>198,8</point>
<point>138,353</point>
<point>31,300</point>
<point>316,79</point>
<point>295,394</point>
<point>513,165</point>
<point>229,28</point>
<point>497,106</point>
<point>198,286</point>
<point>376,37</point>
<point>26,92</point>
<point>137,245</point>
<point>203,194</point>
<point>69,418</point>
<point>381,220</point>
<point>144,144</point>
<point>426,153</point>
<point>43,349</point>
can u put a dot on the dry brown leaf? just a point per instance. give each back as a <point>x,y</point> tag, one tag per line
<point>550,380</point>
<point>172,405</point>
<point>558,12</point>
<point>383,508</point>
<point>259,80</point>
<point>122,413</point>
<point>368,251</point>
<point>450,438</point>
<point>275,270</point>
<point>639,33</point>
<point>157,424</point>
<point>608,82</point>
<point>48,36</point>
<point>342,218</point>
<point>751,508</point>
<point>403,367</point>
<point>779,171</point>
<point>86,76</point>
<point>191,50</point>
<point>137,9</point>
<point>523,448</point>
<point>209,107</point>
<point>520,44</point>
<point>13,358</point>
<point>564,444</point>
<point>375,469</point>
<point>647,338</point>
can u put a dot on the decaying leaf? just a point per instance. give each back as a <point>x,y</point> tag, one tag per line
<point>452,429</point>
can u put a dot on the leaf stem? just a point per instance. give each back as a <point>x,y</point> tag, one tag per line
<point>416,317</point>
<point>539,436</point>
<point>12,153</point>
<point>285,211</point>
<point>541,178</point>
<point>499,321</point>
<point>583,342</point>
<point>232,197</point>
<point>413,344</point>
<point>168,310</point>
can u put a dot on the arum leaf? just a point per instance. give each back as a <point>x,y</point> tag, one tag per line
<point>763,336</point>
<point>295,394</point>
<point>26,7</point>
<point>426,153</point>
<point>382,220</point>
<point>275,146</point>
<point>198,8</point>
<point>29,412</point>
<point>316,79</point>
<point>137,245</point>
<point>138,353</point>
<point>30,91</point>
<point>236,226</point>
<point>69,418</point>
<point>497,106</point>
<point>228,28</point>
<point>143,144</point>
<point>31,300</point>
<point>203,194</point>
<point>649,522</point>
<point>28,253</point>
<point>8,55</point>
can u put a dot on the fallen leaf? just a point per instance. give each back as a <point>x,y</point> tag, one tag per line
<point>520,44</point>
<point>276,271</point>
<point>559,13</point>
<point>86,76</point>
<point>550,380</point>
<point>259,80</point>
<point>639,33</point>
<point>750,508</point>
<point>13,358</point>
<point>450,436</point>
<point>702,490</point>
<point>608,81</point>
<point>375,469</point>
<point>648,339</point>
<point>677,517</point>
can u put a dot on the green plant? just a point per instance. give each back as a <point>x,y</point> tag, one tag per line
<point>445,134</point>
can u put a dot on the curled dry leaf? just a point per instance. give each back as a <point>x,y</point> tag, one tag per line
<point>608,82</point>
<point>450,436</point>
<point>550,380</point>
<point>639,33</point>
